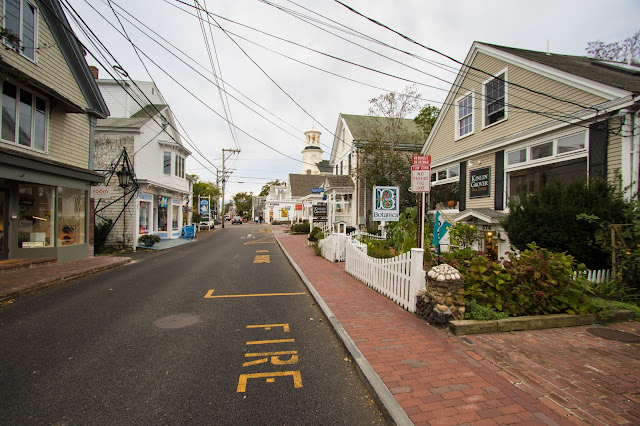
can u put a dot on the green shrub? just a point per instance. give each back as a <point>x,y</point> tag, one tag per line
<point>463,235</point>
<point>101,231</point>
<point>317,249</point>
<point>378,248</point>
<point>548,218</point>
<point>316,234</point>
<point>300,228</point>
<point>478,312</point>
<point>605,308</point>
<point>536,282</point>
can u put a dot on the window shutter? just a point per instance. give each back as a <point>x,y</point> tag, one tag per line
<point>598,139</point>
<point>499,176</point>
<point>463,186</point>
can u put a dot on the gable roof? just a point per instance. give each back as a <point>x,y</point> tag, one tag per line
<point>122,123</point>
<point>360,127</point>
<point>325,167</point>
<point>149,111</point>
<point>605,72</point>
<point>339,181</point>
<point>74,56</point>
<point>300,185</point>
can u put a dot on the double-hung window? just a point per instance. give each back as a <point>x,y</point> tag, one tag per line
<point>24,117</point>
<point>464,115</point>
<point>494,101</point>
<point>20,19</point>
<point>166,162</point>
<point>179,168</point>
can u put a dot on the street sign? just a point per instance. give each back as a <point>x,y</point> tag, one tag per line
<point>420,178</point>
<point>421,160</point>
<point>386,206</point>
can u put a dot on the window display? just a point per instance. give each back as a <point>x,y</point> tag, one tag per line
<point>71,216</point>
<point>175,217</point>
<point>143,227</point>
<point>35,220</point>
<point>162,213</point>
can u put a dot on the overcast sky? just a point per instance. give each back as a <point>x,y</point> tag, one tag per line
<point>295,96</point>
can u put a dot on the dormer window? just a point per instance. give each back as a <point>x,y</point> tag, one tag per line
<point>20,19</point>
<point>494,100</point>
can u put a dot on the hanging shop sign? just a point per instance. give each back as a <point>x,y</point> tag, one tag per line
<point>100,191</point>
<point>317,190</point>
<point>386,203</point>
<point>480,182</point>
<point>320,212</point>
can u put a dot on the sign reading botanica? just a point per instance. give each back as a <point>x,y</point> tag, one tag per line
<point>479,182</point>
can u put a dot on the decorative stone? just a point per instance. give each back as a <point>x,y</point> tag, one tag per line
<point>441,277</point>
<point>461,310</point>
<point>448,301</point>
<point>443,308</point>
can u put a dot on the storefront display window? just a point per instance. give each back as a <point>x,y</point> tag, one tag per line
<point>175,217</point>
<point>143,227</point>
<point>162,213</point>
<point>35,220</point>
<point>445,196</point>
<point>70,225</point>
<point>530,180</point>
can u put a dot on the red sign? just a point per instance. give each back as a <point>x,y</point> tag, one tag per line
<point>421,160</point>
<point>298,206</point>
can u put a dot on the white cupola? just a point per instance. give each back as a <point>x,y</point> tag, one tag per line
<point>312,153</point>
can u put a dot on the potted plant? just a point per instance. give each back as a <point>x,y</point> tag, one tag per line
<point>148,239</point>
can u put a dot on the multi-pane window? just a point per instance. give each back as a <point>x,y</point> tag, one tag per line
<point>571,143</point>
<point>166,162</point>
<point>542,151</point>
<point>494,100</point>
<point>20,19</point>
<point>24,117</point>
<point>515,157</point>
<point>465,116</point>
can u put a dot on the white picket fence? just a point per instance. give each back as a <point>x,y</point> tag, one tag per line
<point>601,276</point>
<point>399,278</point>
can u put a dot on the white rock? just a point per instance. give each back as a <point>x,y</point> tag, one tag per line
<point>441,277</point>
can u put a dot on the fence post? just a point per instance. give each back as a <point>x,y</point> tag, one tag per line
<point>417,276</point>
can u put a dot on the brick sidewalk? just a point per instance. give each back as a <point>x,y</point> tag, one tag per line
<point>440,379</point>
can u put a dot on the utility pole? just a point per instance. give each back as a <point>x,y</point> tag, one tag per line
<point>224,179</point>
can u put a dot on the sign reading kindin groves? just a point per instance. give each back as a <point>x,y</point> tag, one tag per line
<point>386,205</point>
<point>479,182</point>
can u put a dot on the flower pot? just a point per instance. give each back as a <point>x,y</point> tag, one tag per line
<point>149,243</point>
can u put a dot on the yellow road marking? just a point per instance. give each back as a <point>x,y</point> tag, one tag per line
<point>251,355</point>
<point>209,295</point>
<point>261,241</point>
<point>263,342</point>
<point>262,251</point>
<point>285,327</point>
<point>270,378</point>
<point>262,258</point>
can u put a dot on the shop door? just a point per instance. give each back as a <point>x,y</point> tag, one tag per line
<point>490,246</point>
<point>4,222</point>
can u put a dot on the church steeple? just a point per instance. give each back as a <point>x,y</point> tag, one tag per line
<point>312,153</point>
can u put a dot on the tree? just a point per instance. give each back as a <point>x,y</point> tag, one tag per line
<point>391,139</point>
<point>267,186</point>
<point>243,201</point>
<point>205,188</point>
<point>426,118</point>
<point>616,51</point>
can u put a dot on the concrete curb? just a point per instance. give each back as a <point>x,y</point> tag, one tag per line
<point>390,408</point>
<point>534,322</point>
<point>52,282</point>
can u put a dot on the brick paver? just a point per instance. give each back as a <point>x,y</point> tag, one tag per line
<point>543,377</point>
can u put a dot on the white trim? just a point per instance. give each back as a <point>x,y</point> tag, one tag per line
<point>484,99</point>
<point>554,158</point>
<point>473,115</point>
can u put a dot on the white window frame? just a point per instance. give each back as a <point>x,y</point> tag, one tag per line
<point>164,169</point>
<point>21,28</point>
<point>448,179</point>
<point>554,158</point>
<point>35,96</point>
<point>484,98</point>
<point>472,115</point>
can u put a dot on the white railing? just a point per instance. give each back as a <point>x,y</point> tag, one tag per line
<point>359,234</point>
<point>399,278</point>
<point>334,247</point>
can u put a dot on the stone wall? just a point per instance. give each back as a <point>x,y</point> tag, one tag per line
<point>442,300</point>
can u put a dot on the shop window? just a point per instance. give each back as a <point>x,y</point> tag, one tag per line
<point>175,217</point>
<point>542,151</point>
<point>453,171</point>
<point>24,117</point>
<point>442,174</point>
<point>35,217</point>
<point>571,143</point>
<point>20,19</point>
<point>515,157</point>
<point>162,213</point>
<point>522,182</point>
<point>70,224</point>
<point>144,225</point>
<point>445,196</point>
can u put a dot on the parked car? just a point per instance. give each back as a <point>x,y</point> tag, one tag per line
<point>206,224</point>
<point>236,219</point>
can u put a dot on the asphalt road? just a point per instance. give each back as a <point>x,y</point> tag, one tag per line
<point>142,344</point>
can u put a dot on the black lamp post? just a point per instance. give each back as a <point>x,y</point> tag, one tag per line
<point>123,181</point>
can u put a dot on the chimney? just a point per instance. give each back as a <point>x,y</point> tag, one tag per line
<point>94,71</point>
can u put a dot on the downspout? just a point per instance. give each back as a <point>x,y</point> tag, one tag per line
<point>635,154</point>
